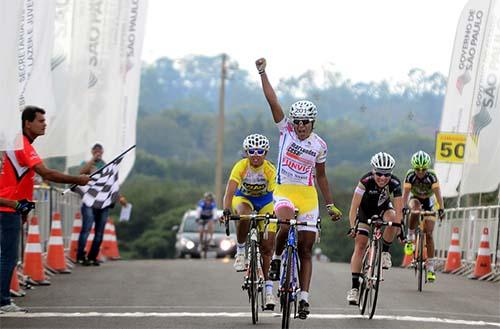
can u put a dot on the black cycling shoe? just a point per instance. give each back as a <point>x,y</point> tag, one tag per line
<point>303,309</point>
<point>274,270</point>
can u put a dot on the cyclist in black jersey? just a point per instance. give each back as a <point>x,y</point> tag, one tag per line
<point>372,196</point>
<point>421,183</point>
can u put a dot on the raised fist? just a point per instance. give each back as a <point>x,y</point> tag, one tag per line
<point>261,65</point>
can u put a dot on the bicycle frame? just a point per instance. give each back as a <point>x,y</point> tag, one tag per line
<point>420,242</point>
<point>289,285</point>
<point>254,277</point>
<point>371,269</point>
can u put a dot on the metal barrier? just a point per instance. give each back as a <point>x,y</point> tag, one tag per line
<point>50,200</point>
<point>470,222</point>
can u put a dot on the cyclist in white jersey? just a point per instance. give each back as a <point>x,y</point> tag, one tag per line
<point>301,160</point>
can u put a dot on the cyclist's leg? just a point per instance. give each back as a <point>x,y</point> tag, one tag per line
<point>429,223</point>
<point>267,245</point>
<point>415,205</point>
<point>306,242</point>
<point>389,215</point>
<point>242,207</point>
<point>201,232</point>
<point>360,243</point>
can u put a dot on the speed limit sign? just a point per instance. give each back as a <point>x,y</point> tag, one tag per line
<point>450,147</point>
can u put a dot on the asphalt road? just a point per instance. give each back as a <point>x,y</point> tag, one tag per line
<point>207,294</point>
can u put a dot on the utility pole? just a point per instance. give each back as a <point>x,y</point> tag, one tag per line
<point>220,135</point>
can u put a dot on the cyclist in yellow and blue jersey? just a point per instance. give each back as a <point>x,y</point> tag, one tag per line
<point>250,188</point>
<point>301,165</point>
<point>421,183</point>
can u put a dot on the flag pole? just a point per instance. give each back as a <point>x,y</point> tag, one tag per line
<point>101,169</point>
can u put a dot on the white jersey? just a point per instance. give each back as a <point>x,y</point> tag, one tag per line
<point>297,159</point>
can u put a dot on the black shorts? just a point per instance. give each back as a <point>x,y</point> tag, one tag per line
<point>427,203</point>
<point>363,216</point>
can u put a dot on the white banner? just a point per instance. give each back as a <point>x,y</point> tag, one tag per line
<point>135,30</point>
<point>462,79</point>
<point>10,124</point>
<point>34,51</point>
<point>105,81</point>
<point>116,34</point>
<point>70,80</point>
<point>482,157</point>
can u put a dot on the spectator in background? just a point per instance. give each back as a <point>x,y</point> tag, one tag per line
<point>16,183</point>
<point>93,215</point>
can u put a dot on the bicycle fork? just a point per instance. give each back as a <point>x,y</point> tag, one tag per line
<point>260,274</point>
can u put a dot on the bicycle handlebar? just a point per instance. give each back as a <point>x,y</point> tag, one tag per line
<point>293,222</point>
<point>377,221</point>
<point>423,212</point>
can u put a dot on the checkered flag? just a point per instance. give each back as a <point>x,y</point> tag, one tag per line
<point>103,189</point>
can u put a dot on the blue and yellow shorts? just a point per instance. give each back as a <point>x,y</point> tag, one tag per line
<point>261,204</point>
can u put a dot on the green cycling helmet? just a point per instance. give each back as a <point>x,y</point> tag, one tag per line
<point>420,160</point>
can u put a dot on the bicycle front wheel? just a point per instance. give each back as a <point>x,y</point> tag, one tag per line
<point>363,287</point>
<point>374,278</point>
<point>254,281</point>
<point>420,260</point>
<point>287,290</point>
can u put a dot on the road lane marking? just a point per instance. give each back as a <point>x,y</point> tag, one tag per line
<point>190,308</point>
<point>244,314</point>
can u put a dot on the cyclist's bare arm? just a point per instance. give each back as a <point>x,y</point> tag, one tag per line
<point>406,194</point>
<point>439,197</point>
<point>271,97</point>
<point>398,204</point>
<point>8,203</point>
<point>355,203</point>
<point>231,187</point>
<point>323,183</point>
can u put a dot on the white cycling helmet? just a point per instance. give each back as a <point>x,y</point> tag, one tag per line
<point>303,110</point>
<point>256,141</point>
<point>383,162</point>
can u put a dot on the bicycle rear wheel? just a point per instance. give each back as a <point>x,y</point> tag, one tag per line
<point>287,290</point>
<point>420,260</point>
<point>374,278</point>
<point>253,289</point>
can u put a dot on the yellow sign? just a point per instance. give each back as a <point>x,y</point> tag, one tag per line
<point>450,147</point>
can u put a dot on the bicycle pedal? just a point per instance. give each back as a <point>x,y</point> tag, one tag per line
<point>353,303</point>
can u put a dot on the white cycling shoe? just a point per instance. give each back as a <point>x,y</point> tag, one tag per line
<point>386,260</point>
<point>239,263</point>
<point>270,302</point>
<point>353,296</point>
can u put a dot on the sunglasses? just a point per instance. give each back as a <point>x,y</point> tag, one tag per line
<point>303,121</point>
<point>256,152</point>
<point>381,174</point>
<point>420,169</point>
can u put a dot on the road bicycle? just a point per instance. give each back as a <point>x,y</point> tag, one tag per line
<point>289,284</point>
<point>418,262</point>
<point>253,281</point>
<point>371,270</point>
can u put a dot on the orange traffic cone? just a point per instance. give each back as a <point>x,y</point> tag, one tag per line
<point>77,227</point>
<point>109,246</point>
<point>483,260</point>
<point>15,289</point>
<point>407,260</point>
<point>33,255</point>
<point>55,255</point>
<point>454,259</point>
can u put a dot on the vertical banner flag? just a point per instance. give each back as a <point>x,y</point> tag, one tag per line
<point>134,37</point>
<point>462,81</point>
<point>10,123</point>
<point>70,80</point>
<point>482,152</point>
<point>105,88</point>
<point>116,34</point>
<point>34,52</point>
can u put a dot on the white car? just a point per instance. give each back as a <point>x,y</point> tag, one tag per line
<point>188,238</point>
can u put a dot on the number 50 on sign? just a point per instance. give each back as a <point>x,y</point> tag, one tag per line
<point>450,147</point>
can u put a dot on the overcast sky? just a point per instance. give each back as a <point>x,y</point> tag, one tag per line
<point>364,40</point>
